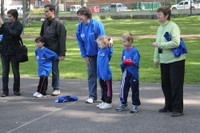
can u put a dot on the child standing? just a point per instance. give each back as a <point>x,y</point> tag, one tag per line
<point>130,74</point>
<point>44,57</point>
<point>104,72</point>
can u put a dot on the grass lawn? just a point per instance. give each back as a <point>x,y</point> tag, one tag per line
<point>74,65</point>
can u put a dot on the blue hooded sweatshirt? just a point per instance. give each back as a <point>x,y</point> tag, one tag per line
<point>103,68</point>
<point>133,55</point>
<point>44,57</point>
<point>87,34</point>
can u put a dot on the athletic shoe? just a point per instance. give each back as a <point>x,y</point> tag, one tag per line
<point>134,109</point>
<point>90,100</point>
<point>101,104</point>
<point>56,93</point>
<point>122,107</point>
<point>39,95</point>
<point>106,106</point>
<point>35,94</point>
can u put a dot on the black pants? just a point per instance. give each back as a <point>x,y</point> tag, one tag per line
<point>6,60</point>
<point>172,76</point>
<point>43,85</point>
<point>106,90</point>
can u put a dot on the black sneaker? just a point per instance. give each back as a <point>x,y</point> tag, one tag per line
<point>177,114</point>
<point>17,93</point>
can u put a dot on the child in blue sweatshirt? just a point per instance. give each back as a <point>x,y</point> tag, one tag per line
<point>130,75</point>
<point>104,72</point>
<point>44,57</point>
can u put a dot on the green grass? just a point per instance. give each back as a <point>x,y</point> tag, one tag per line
<point>74,65</point>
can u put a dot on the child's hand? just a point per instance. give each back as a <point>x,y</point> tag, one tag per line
<point>128,62</point>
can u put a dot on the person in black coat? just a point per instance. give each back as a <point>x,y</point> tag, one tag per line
<point>11,31</point>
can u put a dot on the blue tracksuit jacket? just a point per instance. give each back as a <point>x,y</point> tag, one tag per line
<point>131,54</point>
<point>87,34</point>
<point>44,57</point>
<point>103,68</point>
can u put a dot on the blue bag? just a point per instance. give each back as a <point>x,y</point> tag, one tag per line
<point>181,49</point>
<point>63,99</point>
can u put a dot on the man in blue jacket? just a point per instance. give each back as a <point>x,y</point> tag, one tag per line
<point>88,30</point>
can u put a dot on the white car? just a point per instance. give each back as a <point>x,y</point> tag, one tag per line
<point>117,7</point>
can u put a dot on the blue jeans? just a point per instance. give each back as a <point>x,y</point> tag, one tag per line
<point>55,75</point>
<point>92,77</point>
<point>6,60</point>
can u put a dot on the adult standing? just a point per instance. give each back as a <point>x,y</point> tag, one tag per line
<point>54,33</point>
<point>88,30</point>
<point>172,68</point>
<point>11,31</point>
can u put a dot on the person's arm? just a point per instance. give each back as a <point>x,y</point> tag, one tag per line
<point>110,52</point>
<point>42,29</point>
<point>175,41</point>
<point>100,29</point>
<point>51,55</point>
<point>1,23</point>
<point>14,32</point>
<point>80,41</point>
<point>62,33</point>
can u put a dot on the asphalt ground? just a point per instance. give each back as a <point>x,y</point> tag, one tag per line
<point>27,114</point>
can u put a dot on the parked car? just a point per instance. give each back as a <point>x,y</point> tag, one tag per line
<point>74,8</point>
<point>19,8</point>
<point>186,4</point>
<point>117,7</point>
<point>105,9</point>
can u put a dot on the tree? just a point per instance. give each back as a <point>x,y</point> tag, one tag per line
<point>26,11</point>
<point>2,9</point>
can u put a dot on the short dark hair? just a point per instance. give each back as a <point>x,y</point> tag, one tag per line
<point>13,12</point>
<point>40,39</point>
<point>51,7</point>
<point>165,11</point>
<point>85,11</point>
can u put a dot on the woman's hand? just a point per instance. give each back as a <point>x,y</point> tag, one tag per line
<point>87,61</point>
<point>156,63</point>
<point>155,44</point>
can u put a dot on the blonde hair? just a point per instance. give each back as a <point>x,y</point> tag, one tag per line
<point>128,36</point>
<point>103,40</point>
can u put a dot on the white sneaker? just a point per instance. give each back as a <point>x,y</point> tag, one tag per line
<point>56,93</point>
<point>35,94</point>
<point>39,95</point>
<point>90,100</point>
<point>101,104</point>
<point>106,106</point>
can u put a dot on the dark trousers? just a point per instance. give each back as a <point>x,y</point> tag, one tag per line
<point>6,60</point>
<point>43,85</point>
<point>172,76</point>
<point>129,81</point>
<point>106,90</point>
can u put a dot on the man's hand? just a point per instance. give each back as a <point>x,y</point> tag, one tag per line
<point>62,58</point>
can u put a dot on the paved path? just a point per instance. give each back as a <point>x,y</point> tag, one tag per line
<point>26,114</point>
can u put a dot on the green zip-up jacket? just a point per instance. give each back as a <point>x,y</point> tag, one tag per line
<point>167,55</point>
